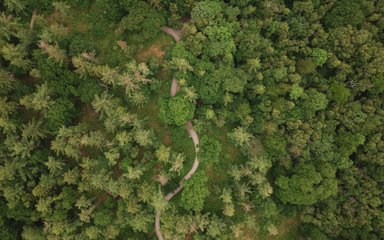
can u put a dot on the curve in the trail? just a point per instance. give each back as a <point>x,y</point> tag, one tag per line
<point>175,87</point>
<point>176,34</point>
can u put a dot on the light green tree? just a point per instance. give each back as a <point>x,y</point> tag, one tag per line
<point>240,136</point>
<point>163,153</point>
<point>195,192</point>
<point>16,55</point>
<point>40,100</point>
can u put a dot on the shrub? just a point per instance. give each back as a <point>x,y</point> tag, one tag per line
<point>176,110</point>
<point>195,192</point>
<point>59,114</point>
<point>210,150</point>
<point>343,13</point>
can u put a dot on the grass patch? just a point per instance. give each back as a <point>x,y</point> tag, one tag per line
<point>154,48</point>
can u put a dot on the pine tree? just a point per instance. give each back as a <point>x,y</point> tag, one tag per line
<point>54,165</point>
<point>143,137</point>
<point>254,65</point>
<point>158,201</point>
<point>33,130</point>
<point>190,94</point>
<point>6,81</point>
<point>54,52</point>
<point>177,163</point>
<point>16,6</point>
<point>163,153</point>
<point>8,26</point>
<point>61,7</point>
<point>16,55</point>
<point>71,176</point>
<point>240,136</point>
<point>102,104</point>
<point>139,99</point>
<point>40,100</point>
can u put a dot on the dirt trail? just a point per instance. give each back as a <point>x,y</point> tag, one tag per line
<point>176,34</point>
<point>33,18</point>
<point>175,87</point>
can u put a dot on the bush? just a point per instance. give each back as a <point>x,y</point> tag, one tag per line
<point>343,13</point>
<point>79,44</point>
<point>378,85</point>
<point>306,66</point>
<point>205,12</point>
<point>311,232</point>
<point>142,22</point>
<point>109,9</point>
<point>320,56</point>
<point>59,114</point>
<point>195,192</point>
<point>339,93</point>
<point>210,150</point>
<point>300,26</point>
<point>59,79</point>
<point>88,89</point>
<point>176,110</point>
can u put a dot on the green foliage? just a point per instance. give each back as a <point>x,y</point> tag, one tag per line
<point>60,80</point>
<point>307,186</point>
<point>216,227</point>
<point>79,44</point>
<point>314,102</point>
<point>8,230</point>
<point>296,86</point>
<point>306,66</point>
<point>16,55</point>
<point>176,110</point>
<point>348,142</point>
<point>59,114</point>
<point>220,41</point>
<point>320,56</point>
<point>234,81</point>
<point>163,153</point>
<point>339,93</point>
<point>210,150</point>
<point>312,232</point>
<point>195,192</point>
<point>210,88</point>
<point>359,200</point>
<point>378,85</point>
<point>296,92</point>
<point>143,137</point>
<point>345,12</point>
<point>205,12</point>
<point>87,90</point>
<point>30,233</point>
<point>275,146</point>
<point>142,22</point>
<point>299,26</point>
<point>109,9</point>
<point>240,136</point>
<point>103,217</point>
<point>40,100</point>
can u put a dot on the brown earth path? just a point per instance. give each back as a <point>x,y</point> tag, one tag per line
<point>176,34</point>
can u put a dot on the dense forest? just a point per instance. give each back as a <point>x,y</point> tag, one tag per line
<point>190,119</point>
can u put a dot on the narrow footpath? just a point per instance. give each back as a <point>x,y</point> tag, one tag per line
<point>175,87</point>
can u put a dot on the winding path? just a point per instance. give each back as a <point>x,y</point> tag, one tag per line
<point>176,34</point>
<point>175,87</point>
